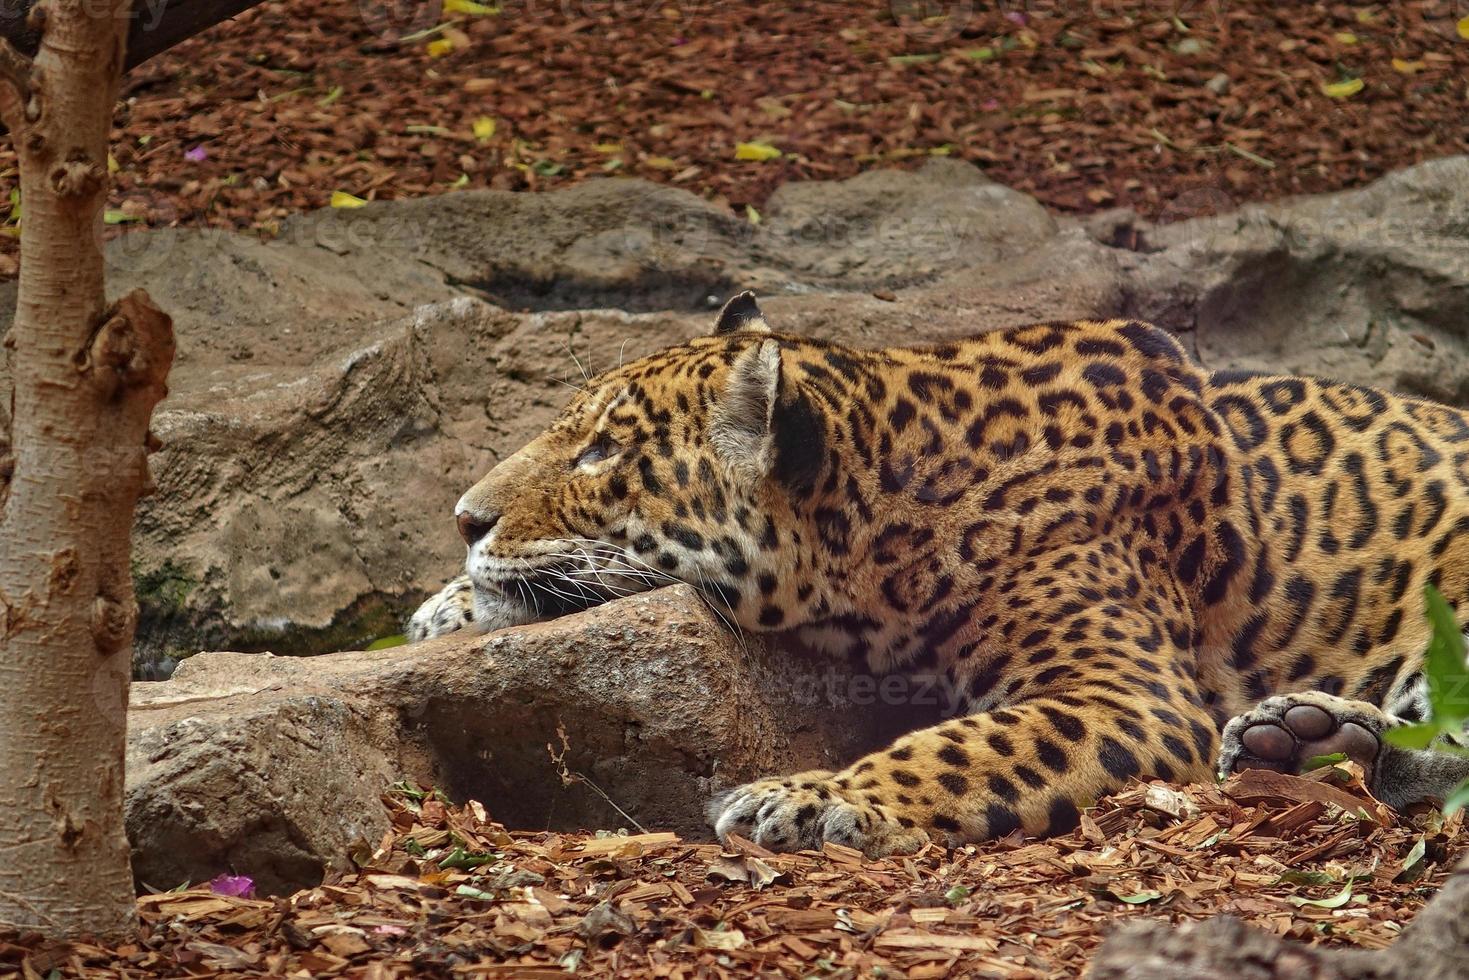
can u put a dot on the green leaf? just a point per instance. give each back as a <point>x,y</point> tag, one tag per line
<point>912,59</point>
<point>114,217</point>
<point>413,847</point>
<point>1458,799</point>
<point>386,642</point>
<point>1448,685</point>
<point>464,860</point>
<point>546,168</point>
<point>330,97</point>
<point>1334,902</point>
<point>1319,761</point>
<point>1141,898</point>
<point>1306,878</point>
<point>979,54</point>
<point>404,788</point>
<point>1417,736</point>
<point>1413,863</point>
<point>956,894</point>
<point>468,892</point>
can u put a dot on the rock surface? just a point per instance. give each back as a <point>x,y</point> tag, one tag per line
<point>336,389</point>
<point>272,766</point>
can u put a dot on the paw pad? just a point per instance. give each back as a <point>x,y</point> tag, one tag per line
<point>1283,734</point>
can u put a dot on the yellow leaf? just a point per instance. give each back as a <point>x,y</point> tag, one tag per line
<point>112,166</point>
<point>341,199</point>
<point>1344,89</point>
<point>469,7</point>
<point>439,47</point>
<point>484,128</point>
<point>755,151</point>
<point>607,147</point>
<point>752,215</point>
<point>1366,15</point>
<point>1345,37</point>
<point>662,163</point>
<point>1463,28</point>
<point>1408,67</point>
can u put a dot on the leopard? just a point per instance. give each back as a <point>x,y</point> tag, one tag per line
<point>1129,567</point>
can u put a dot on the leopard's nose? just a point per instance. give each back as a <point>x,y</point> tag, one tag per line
<point>473,527</point>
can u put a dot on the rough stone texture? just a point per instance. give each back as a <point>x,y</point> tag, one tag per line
<point>338,388</point>
<point>271,766</point>
<point>1369,285</point>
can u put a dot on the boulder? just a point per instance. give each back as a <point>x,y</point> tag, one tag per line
<point>338,388</point>
<point>630,714</point>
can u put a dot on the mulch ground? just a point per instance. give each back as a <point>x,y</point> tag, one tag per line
<point>1173,109</point>
<point>447,893</point>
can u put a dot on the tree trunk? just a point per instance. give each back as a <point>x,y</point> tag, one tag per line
<point>86,378</point>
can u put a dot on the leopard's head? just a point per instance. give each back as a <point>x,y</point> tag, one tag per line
<point>687,465</point>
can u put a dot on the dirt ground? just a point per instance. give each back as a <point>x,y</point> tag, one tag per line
<point>1171,108</point>
<point>447,893</point>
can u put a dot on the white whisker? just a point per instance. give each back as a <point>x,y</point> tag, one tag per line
<point>584,375</point>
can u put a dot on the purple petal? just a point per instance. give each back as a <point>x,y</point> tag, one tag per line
<point>196,154</point>
<point>235,886</point>
<point>1015,17</point>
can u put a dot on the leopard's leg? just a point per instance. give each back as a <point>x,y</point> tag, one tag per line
<point>1089,698</point>
<point>1286,732</point>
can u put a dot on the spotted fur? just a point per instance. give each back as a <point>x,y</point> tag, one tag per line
<point>1107,550</point>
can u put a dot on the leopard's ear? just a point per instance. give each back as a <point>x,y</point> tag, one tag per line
<point>740,428</point>
<point>764,425</point>
<point>741,313</point>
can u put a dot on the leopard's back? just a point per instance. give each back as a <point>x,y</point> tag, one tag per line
<point>1358,498</point>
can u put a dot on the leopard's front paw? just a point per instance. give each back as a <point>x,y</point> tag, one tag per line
<point>459,605</point>
<point>802,812</point>
<point>1283,733</point>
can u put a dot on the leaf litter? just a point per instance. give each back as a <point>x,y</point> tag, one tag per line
<point>1170,110</point>
<point>449,893</point>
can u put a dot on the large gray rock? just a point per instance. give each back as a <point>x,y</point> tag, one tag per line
<point>1370,285</point>
<point>338,388</point>
<point>272,766</point>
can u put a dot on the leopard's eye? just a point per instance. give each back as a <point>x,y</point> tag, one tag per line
<point>604,448</point>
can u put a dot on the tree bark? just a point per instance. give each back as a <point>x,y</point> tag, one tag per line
<point>1435,946</point>
<point>86,378</point>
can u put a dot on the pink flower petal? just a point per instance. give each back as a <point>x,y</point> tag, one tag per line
<point>196,154</point>
<point>235,886</point>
